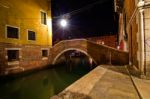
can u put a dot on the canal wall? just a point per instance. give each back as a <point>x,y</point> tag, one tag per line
<point>15,58</point>
<point>27,57</point>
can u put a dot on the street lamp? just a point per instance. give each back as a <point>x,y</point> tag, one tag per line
<point>63,23</point>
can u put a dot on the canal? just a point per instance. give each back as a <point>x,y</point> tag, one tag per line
<point>45,83</point>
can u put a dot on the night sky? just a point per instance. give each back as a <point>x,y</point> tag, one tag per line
<point>87,18</point>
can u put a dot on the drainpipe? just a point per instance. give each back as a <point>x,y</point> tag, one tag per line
<point>142,54</point>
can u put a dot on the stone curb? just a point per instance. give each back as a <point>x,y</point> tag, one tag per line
<point>134,84</point>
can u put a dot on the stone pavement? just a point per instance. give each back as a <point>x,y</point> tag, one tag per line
<point>143,87</point>
<point>104,82</point>
<point>115,84</point>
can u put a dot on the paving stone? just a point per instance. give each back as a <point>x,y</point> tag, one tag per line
<point>104,82</point>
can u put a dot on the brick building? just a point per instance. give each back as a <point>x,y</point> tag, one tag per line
<point>106,40</point>
<point>25,34</point>
<point>134,32</point>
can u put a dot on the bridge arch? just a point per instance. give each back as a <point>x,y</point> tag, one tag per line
<point>100,54</point>
<point>69,49</point>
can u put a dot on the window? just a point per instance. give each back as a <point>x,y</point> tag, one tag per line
<point>44,53</point>
<point>12,32</point>
<point>31,35</point>
<point>13,55</point>
<point>43,18</point>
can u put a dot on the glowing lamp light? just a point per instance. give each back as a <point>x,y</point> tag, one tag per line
<point>63,23</point>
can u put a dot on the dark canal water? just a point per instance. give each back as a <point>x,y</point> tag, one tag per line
<point>45,83</point>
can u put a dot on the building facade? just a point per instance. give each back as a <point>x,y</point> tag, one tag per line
<point>25,35</point>
<point>134,32</point>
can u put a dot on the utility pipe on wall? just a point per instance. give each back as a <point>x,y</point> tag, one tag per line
<point>142,33</point>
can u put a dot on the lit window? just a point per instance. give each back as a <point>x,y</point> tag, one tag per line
<point>44,53</point>
<point>12,32</point>
<point>13,55</point>
<point>43,18</point>
<point>31,35</point>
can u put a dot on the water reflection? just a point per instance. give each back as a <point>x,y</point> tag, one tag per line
<point>44,84</point>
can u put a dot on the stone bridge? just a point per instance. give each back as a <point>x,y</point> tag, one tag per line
<point>100,54</point>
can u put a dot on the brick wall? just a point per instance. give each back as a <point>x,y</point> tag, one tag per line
<point>128,31</point>
<point>100,54</point>
<point>106,40</point>
<point>30,57</point>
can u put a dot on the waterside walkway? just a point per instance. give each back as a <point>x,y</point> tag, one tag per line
<point>106,82</point>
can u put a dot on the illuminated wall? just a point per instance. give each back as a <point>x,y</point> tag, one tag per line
<point>131,28</point>
<point>26,15</point>
<point>134,21</point>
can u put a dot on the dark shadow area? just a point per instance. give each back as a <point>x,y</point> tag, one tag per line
<point>74,61</point>
<point>14,76</point>
<point>46,82</point>
<point>134,72</point>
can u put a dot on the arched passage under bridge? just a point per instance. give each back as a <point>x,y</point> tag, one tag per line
<point>100,54</point>
<point>72,49</point>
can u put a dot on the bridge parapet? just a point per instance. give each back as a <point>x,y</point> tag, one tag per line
<point>70,43</point>
<point>101,54</point>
